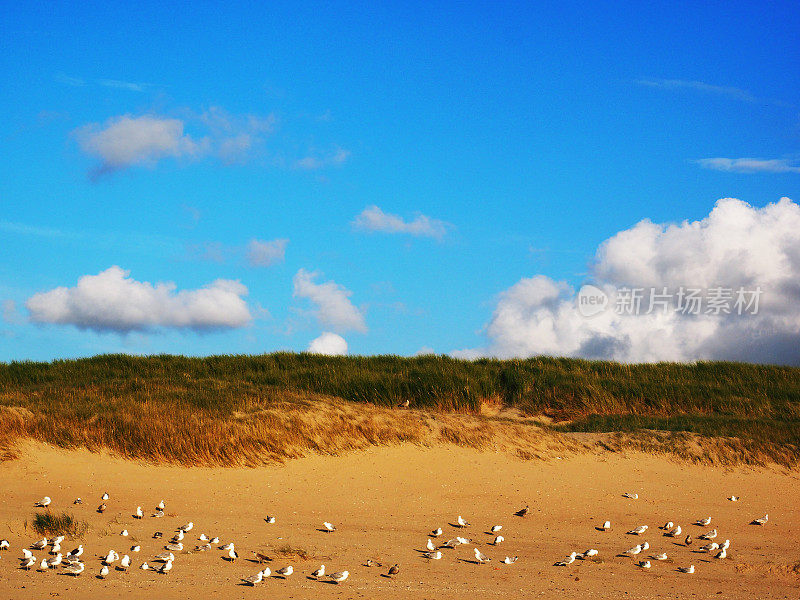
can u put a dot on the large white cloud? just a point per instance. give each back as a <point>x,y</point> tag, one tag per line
<point>373,218</point>
<point>332,302</point>
<point>328,343</point>
<point>735,246</point>
<point>113,301</point>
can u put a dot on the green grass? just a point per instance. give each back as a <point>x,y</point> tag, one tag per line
<point>53,524</point>
<point>159,406</point>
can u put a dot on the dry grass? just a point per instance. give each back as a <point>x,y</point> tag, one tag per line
<point>52,524</point>
<point>289,551</point>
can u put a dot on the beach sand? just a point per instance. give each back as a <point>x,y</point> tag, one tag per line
<point>384,501</point>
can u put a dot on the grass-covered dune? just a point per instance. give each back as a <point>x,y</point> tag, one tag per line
<point>251,409</point>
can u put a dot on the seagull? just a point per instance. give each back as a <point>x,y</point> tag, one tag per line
<point>645,564</point>
<point>214,540</point>
<point>40,544</point>
<point>203,548</point>
<point>481,557</point>
<point>436,532</point>
<point>675,532</point>
<point>668,525</point>
<point>497,540</point>
<point>232,556</point>
<point>26,553</point>
<point>103,573</point>
<point>174,547</point>
<point>110,557</point>
<point>158,514</point>
<point>124,533</point>
<point>203,537</point>
<point>226,546</point>
<point>688,540</point>
<point>734,498</point>
<point>328,527</point>
<point>523,511</point>
<point>261,558</point>
<point>157,535</point>
<point>269,519</point>
<point>635,550</point>
<point>434,555</point>
<point>254,579</point>
<point>164,557</point>
<point>510,560</point>
<point>4,545</point>
<point>27,563</point>
<point>606,526</point>
<point>430,545</point>
<point>319,572</point>
<point>105,496</point>
<point>43,566</point>
<point>77,501</point>
<point>710,547</point>
<point>450,544</point>
<point>721,554</point>
<point>56,540</point>
<point>632,496</point>
<point>144,566</point>
<point>44,502</point>
<point>135,548</point>
<point>589,553</point>
<point>704,522</point>
<point>55,561</point>
<point>138,514</point>
<point>662,556</point>
<point>124,563</point>
<point>160,506</point>
<point>285,571</point>
<point>569,560</point>
<point>496,528</point>
<point>187,527</point>
<point>101,508</point>
<point>75,569</point>
<point>166,567</point>
<point>55,549</point>
<point>725,545</point>
<point>638,530</point>
<point>462,540</point>
<point>645,545</point>
<point>689,569</point>
<point>709,535</point>
<point>762,521</point>
<point>266,572</point>
<point>339,576</point>
<point>461,522</point>
<point>394,570</point>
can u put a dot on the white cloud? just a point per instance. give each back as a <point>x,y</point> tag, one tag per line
<point>10,314</point>
<point>313,162</point>
<point>328,343</point>
<point>735,246</point>
<point>373,218</point>
<point>112,301</point>
<point>332,301</point>
<point>425,351</point>
<point>266,253</point>
<point>125,141</point>
<point>749,165</point>
<point>700,86</point>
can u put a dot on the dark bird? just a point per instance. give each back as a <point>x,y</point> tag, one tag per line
<point>688,540</point>
<point>101,508</point>
<point>157,535</point>
<point>404,404</point>
<point>394,570</point>
<point>523,512</point>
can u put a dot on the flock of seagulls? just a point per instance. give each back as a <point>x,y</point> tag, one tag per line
<point>73,563</point>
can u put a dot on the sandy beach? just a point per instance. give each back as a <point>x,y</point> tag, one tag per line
<point>384,501</point>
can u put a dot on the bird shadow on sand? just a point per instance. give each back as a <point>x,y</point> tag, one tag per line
<point>456,525</point>
<point>323,530</point>
<point>472,562</point>
<point>384,575</point>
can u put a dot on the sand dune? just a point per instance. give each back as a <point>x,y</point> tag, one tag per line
<point>384,501</point>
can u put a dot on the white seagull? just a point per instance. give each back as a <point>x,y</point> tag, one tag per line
<point>436,532</point>
<point>105,496</point>
<point>124,563</point>
<point>662,556</point>
<point>481,557</point>
<point>164,557</point>
<point>635,550</point>
<point>254,579</point>
<point>174,547</point>
<point>44,502</point>
<point>27,563</point>
<point>689,569</point>
<point>232,556</point>
<point>568,561</point>
<point>319,572</point>
<point>160,506</point>
<point>75,569</point>
<point>638,530</point>
<point>430,545</point>
<point>103,573</point>
<point>26,553</point>
<point>510,560</point>
<point>606,526</point>
<point>328,527</point>
<point>144,566</point>
<point>496,528</point>
<point>721,554</point>
<point>725,545</point>
<point>668,525</point>
<point>632,496</point>
<point>55,561</point>
<point>138,514</point>
<point>498,540</point>
<point>734,498</point>
<point>187,527</point>
<point>203,548</point>
<point>704,522</point>
<point>461,522</point>
<point>135,548</point>
<point>269,519</point>
<point>709,535</point>
<point>710,547</point>
<point>40,544</point>
<point>4,545</point>
<point>166,567</point>
<point>226,546</point>
<point>645,564</point>
<point>762,521</point>
<point>433,555</point>
<point>589,553</point>
<point>675,532</point>
<point>339,576</point>
<point>285,571</point>
<point>43,566</point>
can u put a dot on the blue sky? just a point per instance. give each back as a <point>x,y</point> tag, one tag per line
<point>498,141</point>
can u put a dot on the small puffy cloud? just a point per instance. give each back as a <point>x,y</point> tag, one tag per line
<point>10,314</point>
<point>373,218</point>
<point>735,247</point>
<point>332,302</point>
<point>113,301</point>
<point>328,343</point>
<point>125,141</point>
<point>749,165</point>
<point>425,351</point>
<point>313,162</point>
<point>266,253</point>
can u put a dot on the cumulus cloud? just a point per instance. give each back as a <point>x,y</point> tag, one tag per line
<point>266,253</point>
<point>125,141</point>
<point>749,165</point>
<point>373,218</point>
<point>332,302</point>
<point>735,246</point>
<point>328,343</point>
<point>113,301</point>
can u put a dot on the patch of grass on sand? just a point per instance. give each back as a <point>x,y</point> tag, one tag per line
<point>52,524</point>
<point>289,551</point>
